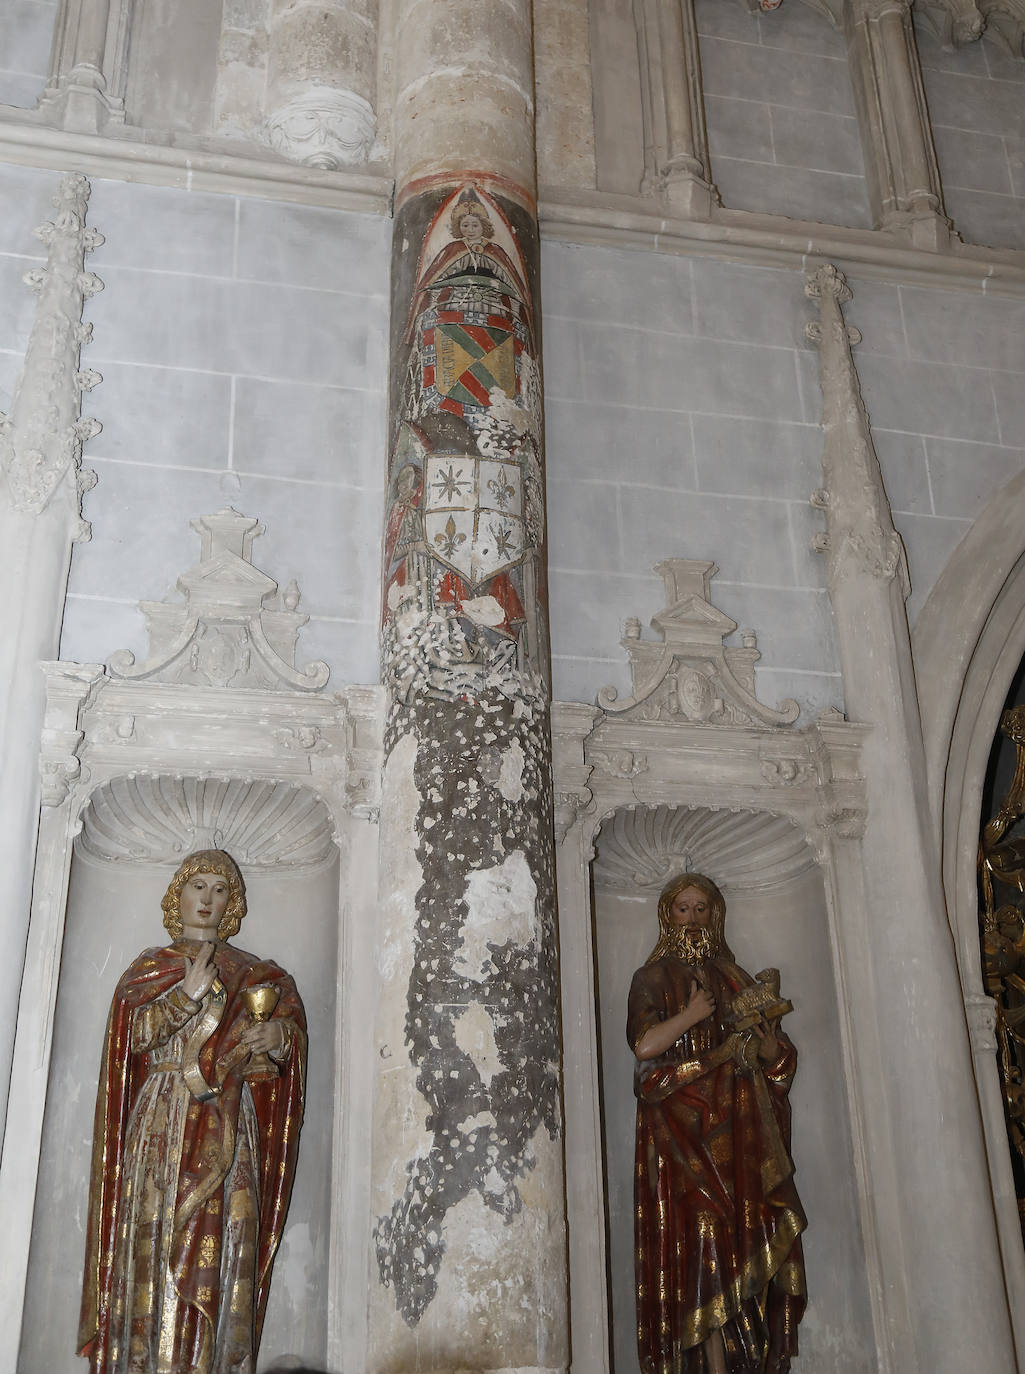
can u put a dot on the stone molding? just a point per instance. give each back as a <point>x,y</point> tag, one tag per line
<point>42,438</point>
<point>672,107</point>
<point>691,674</point>
<point>860,536</point>
<point>234,629</point>
<point>572,216</point>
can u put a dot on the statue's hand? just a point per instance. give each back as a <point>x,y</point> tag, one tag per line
<point>700,1005</point>
<point>268,1037</point>
<point>199,973</point>
<point>768,1047</point>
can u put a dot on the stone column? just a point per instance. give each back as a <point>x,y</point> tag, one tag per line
<point>941,1279</point>
<point>672,106</point>
<point>469,1260</point>
<point>41,485</point>
<point>320,81</point>
<point>900,160</point>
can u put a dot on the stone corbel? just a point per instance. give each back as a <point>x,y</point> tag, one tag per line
<point>672,105</point>
<point>859,535</point>
<point>86,88</point>
<point>571,725</point>
<point>69,688</point>
<point>691,675</point>
<point>900,161</point>
<point>320,82</point>
<point>981,1012</point>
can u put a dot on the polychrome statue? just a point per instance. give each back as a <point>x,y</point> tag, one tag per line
<point>719,1269</point>
<point>198,1111</point>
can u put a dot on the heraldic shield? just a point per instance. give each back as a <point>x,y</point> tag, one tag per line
<point>473,519</point>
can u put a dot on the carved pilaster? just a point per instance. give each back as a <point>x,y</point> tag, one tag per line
<point>900,161</point>
<point>675,140</point>
<point>860,537</point>
<point>42,437</point>
<point>86,87</point>
<point>69,687</point>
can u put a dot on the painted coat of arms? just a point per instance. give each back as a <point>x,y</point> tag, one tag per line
<point>473,519</point>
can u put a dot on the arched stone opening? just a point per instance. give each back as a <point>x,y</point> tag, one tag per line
<point>969,643</point>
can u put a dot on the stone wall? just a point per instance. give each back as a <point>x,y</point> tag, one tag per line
<point>977,106</point>
<point>782,132</point>
<point>242,345</point>
<point>26,30</point>
<point>683,421</point>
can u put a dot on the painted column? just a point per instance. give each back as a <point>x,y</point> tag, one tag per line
<point>468,1266</point>
<point>41,485</point>
<point>672,107</point>
<point>320,81</point>
<point>941,1279</point>
<point>900,161</point>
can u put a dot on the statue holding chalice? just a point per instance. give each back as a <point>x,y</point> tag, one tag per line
<point>196,1133</point>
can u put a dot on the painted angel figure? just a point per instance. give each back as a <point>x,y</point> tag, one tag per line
<point>719,1269</point>
<point>198,1110</point>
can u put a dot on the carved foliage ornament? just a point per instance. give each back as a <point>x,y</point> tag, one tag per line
<point>691,675</point>
<point>42,438</point>
<point>859,536</point>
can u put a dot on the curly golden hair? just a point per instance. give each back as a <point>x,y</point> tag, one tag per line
<point>716,901</point>
<point>206,861</point>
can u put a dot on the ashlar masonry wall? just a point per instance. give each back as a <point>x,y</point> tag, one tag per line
<point>683,413</point>
<point>242,347</point>
<point>976,96</point>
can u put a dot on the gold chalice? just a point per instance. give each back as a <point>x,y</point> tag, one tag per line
<point>260,1002</point>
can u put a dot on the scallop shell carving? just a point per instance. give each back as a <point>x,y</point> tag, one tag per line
<point>261,824</point>
<point>640,849</point>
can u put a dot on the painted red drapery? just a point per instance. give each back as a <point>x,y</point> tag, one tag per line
<point>214,1135</point>
<point>717,1216</point>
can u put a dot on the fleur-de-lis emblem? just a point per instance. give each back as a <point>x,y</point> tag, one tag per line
<point>449,539</point>
<point>505,540</point>
<point>501,490</point>
<point>450,483</point>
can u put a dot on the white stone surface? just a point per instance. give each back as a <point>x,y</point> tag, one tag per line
<point>245,355</point>
<point>26,31</point>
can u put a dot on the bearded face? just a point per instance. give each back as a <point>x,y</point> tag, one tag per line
<point>693,944</point>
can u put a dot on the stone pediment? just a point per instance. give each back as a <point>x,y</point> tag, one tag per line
<point>690,674</point>
<point>233,629</point>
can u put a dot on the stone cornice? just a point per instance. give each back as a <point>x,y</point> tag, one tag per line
<point>124,158</point>
<point>576,216</point>
<point>616,221</point>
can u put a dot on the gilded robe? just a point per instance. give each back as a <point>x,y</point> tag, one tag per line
<point>717,1217</point>
<point>192,1170</point>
